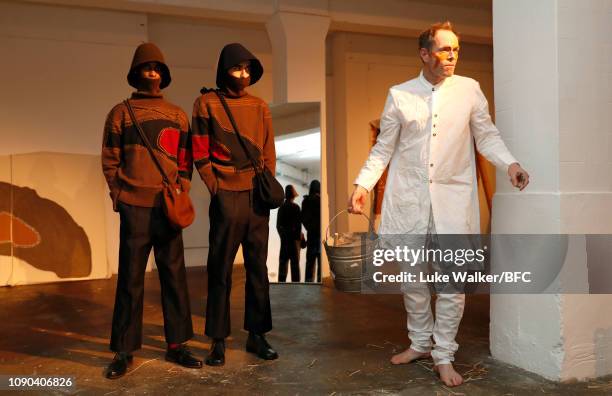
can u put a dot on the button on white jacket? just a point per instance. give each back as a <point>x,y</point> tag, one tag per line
<point>427,134</point>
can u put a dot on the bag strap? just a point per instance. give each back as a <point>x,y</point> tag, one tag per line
<point>221,96</point>
<point>146,141</point>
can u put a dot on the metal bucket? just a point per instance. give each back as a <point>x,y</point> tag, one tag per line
<point>347,253</point>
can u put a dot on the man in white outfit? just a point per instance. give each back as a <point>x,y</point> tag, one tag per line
<point>427,131</point>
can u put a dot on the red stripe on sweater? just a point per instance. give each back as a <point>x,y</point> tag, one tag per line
<point>184,160</point>
<point>200,145</point>
<point>219,151</point>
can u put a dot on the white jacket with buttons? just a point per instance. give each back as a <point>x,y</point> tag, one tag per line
<point>427,134</point>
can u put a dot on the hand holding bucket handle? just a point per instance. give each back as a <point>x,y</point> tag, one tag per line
<point>371,228</point>
<point>357,200</point>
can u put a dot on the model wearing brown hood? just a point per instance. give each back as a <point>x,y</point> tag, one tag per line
<point>235,216</point>
<point>135,185</point>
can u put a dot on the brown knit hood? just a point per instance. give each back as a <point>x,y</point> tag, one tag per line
<point>145,53</point>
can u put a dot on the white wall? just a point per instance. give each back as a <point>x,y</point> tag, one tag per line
<point>62,71</point>
<point>585,155</point>
<point>554,107</point>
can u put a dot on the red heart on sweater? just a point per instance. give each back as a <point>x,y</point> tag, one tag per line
<point>168,141</point>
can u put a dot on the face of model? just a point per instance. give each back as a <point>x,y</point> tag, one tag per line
<point>240,76</point>
<point>241,70</point>
<point>150,71</point>
<point>440,61</point>
<point>150,77</point>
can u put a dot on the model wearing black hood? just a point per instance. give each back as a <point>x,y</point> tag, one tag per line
<point>232,55</point>
<point>235,216</point>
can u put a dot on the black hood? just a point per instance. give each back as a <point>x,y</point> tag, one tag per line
<point>233,54</point>
<point>315,187</point>
<point>290,192</point>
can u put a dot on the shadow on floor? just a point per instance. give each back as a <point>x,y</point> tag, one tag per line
<point>329,343</point>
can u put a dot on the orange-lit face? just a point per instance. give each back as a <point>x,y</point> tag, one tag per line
<point>440,61</point>
<point>150,71</point>
<point>241,70</point>
<point>240,76</point>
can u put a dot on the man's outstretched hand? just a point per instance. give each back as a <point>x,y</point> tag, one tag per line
<point>357,200</point>
<point>518,176</point>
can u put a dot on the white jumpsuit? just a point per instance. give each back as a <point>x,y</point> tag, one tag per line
<point>426,137</point>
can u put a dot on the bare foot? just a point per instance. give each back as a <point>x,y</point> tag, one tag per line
<point>408,356</point>
<point>448,375</point>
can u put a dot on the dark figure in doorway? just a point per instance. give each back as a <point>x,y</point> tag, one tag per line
<point>311,218</point>
<point>136,190</point>
<point>289,229</point>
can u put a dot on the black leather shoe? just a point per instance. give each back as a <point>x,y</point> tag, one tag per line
<point>183,356</point>
<point>258,345</point>
<point>119,365</point>
<point>216,356</point>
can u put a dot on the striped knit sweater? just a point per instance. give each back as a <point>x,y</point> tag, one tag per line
<point>217,154</point>
<point>128,167</point>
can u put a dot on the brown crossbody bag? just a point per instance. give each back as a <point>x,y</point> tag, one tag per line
<point>175,201</point>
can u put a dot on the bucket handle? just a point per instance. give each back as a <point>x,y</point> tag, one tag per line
<point>338,214</point>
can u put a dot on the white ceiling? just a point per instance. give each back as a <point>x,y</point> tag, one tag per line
<point>301,150</point>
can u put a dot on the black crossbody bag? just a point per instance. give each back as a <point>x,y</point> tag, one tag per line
<point>269,191</point>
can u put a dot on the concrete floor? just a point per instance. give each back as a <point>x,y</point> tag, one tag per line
<point>330,343</point>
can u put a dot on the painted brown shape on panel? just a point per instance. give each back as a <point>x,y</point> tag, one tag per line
<point>42,233</point>
<point>16,231</point>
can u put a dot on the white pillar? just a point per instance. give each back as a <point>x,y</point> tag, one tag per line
<point>553,105</point>
<point>298,45</point>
